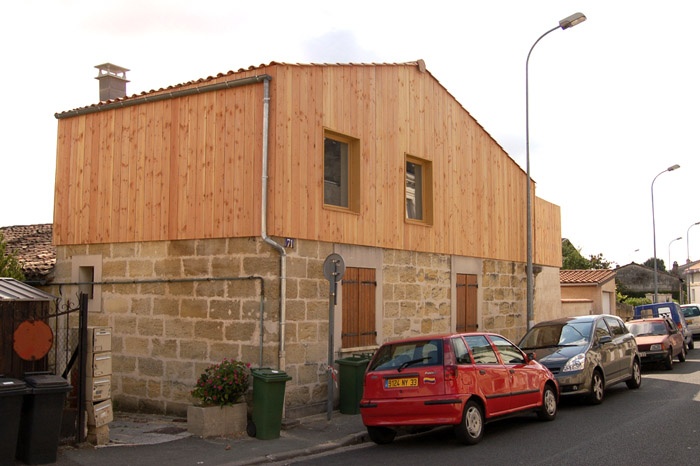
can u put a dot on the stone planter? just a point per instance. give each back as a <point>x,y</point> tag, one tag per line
<point>216,421</point>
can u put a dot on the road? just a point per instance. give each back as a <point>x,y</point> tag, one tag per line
<point>657,424</point>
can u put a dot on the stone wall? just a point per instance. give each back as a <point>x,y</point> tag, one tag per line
<point>177,307</point>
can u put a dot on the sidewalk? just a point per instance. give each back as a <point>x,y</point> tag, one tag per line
<point>137,439</point>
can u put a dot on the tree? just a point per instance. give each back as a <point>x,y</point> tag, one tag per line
<point>660,265</point>
<point>571,257</point>
<point>9,265</point>
<point>573,260</point>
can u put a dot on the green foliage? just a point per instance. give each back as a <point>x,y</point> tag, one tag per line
<point>660,265</point>
<point>9,265</point>
<point>222,384</point>
<point>573,260</point>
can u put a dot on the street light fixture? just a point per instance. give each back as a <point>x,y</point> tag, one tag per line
<point>669,250</point>
<point>566,23</point>
<point>687,242</point>
<point>653,224</point>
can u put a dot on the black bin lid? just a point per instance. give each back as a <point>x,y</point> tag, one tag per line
<point>47,383</point>
<point>11,386</point>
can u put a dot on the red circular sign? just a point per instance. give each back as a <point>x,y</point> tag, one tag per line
<point>33,339</point>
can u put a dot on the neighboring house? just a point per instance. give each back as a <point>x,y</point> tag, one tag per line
<point>691,275</point>
<point>638,281</point>
<point>33,247</point>
<point>200,216</point>
<point>587,292</point>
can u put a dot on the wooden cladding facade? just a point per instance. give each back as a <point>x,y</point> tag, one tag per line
<point>191,167</point>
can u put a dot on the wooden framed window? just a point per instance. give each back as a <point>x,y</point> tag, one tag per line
<point>359,291</point>
<point>419,192</point>
<point>341,171</point>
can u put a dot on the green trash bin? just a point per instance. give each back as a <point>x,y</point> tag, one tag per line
<point>268,401</point>
<point>351,377</point>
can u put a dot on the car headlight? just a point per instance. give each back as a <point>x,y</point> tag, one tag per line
<point>576,363</point>
<point>655,348</point>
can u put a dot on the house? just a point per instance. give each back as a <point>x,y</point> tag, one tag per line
<point>587,292</point>
<point>638,281</point>
<point>691,277</point>
<point>198,218</point>
<point>33,247</point>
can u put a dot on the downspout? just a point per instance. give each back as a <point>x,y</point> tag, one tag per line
<point>281,363</point>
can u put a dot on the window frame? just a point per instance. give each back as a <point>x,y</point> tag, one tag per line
<point>352,168</point>
<point>423,189</point>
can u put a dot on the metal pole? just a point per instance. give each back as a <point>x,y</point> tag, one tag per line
<point>331,305</point>
<point>566,23</point>
<point>653,224</point>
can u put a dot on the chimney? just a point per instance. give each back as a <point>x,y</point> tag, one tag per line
<point>112,80</point>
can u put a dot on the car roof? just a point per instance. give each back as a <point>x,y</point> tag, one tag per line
<point>437,336</point>
<point>566,320</point>
<point>648,319</point>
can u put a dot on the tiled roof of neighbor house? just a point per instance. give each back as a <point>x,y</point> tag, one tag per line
<point>585,277</point>
<point>33,247</point>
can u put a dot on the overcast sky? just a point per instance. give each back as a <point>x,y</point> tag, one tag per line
<point>613,101</point>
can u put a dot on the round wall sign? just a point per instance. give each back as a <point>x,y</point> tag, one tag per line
<point>32,340</point>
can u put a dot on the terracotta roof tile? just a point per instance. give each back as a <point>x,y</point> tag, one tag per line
<point>581,277</point>
<point>33,246</point>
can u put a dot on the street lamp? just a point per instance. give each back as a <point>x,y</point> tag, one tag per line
<point>669,250</point>
<point>653,224</point>
<point>687,242</point>
<point>566,23</point>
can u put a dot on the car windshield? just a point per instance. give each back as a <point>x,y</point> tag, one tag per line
<point>402,355</point>
<point>641,329</point>
<point>548,335</point>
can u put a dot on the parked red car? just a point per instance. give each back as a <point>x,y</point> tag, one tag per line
<point>463,380</point>
<point>658,340</point>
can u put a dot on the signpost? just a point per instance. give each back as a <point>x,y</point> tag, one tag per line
<point>333,270</point>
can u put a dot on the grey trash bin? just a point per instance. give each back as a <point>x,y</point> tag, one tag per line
<point>40,422</point>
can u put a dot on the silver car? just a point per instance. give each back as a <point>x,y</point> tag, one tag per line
<point>586,354</point>
<point>691,312</point>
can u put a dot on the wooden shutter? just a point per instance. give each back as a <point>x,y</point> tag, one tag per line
<point>359,291</point>
<point>466,303</point>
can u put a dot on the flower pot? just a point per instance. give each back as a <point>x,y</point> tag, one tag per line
<point>216,421</point>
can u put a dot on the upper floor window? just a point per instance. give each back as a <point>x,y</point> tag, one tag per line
<point>419,190</point>
<point>341,171</point>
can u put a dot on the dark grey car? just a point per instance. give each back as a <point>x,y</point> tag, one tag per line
<point>586,354</point>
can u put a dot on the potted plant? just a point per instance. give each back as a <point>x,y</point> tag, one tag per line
<point>219,407</point>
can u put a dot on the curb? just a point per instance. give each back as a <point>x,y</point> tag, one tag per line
<point>351,439</point>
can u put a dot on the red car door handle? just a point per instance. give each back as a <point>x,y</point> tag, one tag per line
<point>482,372</point>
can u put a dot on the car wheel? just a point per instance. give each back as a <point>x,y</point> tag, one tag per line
<point>381,435</point>
<point>636,380</point>
<point>549,404</point>
<point>681,355</point>
<point>668,362</point>
<point>691,345</point>
<point>597,388</point>
<point>471,429</point>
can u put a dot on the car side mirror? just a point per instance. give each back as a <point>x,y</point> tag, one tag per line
<point>532,356</point>
<point>604,339</point>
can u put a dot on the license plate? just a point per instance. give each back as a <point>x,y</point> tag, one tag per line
<point>402,382</point>
<point>642,355</point>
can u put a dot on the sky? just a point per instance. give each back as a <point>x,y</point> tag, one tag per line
<point>613,101</point>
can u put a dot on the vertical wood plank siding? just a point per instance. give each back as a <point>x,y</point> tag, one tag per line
<point>190,167</point>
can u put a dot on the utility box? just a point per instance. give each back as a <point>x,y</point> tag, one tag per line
<point>98,388</point>
<point>100,414</point>
<point>100,364</point>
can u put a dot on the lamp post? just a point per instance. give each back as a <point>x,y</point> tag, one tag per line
<point>669,250</point>
<point>687,242</point>
<point>566,23</point>
<point>653,224</point>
